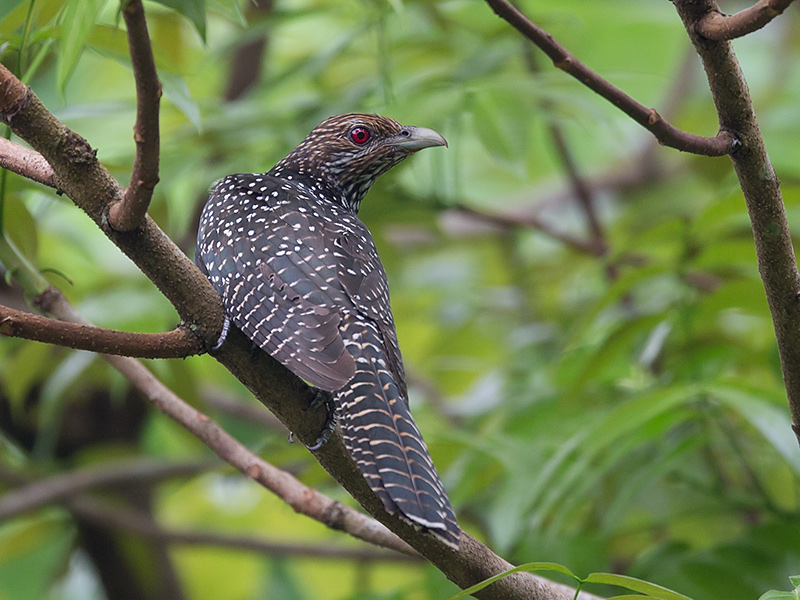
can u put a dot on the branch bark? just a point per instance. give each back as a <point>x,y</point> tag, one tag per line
<point>717,26</point>
<point>128,213</point>
<point>178,343</point>
<point>762,193</point>
<point>723,143</point>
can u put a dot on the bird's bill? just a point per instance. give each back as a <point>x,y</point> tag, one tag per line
<point>417,138</point>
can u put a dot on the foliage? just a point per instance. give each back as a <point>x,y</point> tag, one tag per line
<point>619,413</point>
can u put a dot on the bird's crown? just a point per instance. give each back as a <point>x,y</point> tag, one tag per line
<point>345,154</point>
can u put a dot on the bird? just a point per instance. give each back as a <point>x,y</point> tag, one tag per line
<point>299,274</point>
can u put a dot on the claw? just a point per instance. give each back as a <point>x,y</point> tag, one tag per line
<point>225,328</point>
<point>317,398</point>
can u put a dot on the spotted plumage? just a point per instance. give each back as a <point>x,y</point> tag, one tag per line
<point>299,274</point>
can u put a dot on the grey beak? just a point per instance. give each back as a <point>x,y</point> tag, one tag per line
<point>417,138</point>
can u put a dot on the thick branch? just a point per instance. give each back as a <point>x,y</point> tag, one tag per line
<point>668,135</point>
<point>762,194</point>
<point>718,26</point>
<point>301,498</point>
<point>178,343</point>
<point>53,489</point>
<point>25,162</point>
<point>127,214</point>
<point>92,188</point>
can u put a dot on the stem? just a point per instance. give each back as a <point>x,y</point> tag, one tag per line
<point>762,194</point>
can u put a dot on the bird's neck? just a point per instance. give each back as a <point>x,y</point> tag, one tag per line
<point>325,186</point>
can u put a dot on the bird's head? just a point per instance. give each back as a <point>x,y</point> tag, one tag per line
<point>347,153</point>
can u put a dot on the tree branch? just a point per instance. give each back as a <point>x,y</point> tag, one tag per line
<point>89,185</point>
<point>723,143</point>
<point>70,490</point>
<point>762,194</point>
<point>25,162</point>
<point>178,343</point>
<point>718,26</point>
<point>131,521</point>
<point>594,247</point>
<point>54,489</point>
<point>581,190</point>
<point>127,214</point>
<point>244,412</point>
<point>302,499</point>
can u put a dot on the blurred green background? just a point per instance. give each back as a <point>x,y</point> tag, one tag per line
<point>617,407</point>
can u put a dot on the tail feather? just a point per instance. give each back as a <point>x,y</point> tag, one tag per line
<point>384,441</point>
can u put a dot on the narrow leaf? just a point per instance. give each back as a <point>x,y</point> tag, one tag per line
<point>637,585</point>
<point>194,10</point>
<point>528,567</point>
<point>771,421</point>
<point>7,6</point>
<point>76,24</point>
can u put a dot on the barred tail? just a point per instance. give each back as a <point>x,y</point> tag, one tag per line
<point>384,441</point>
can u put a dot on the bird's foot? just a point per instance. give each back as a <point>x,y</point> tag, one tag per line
<point>317,398</point>
<point>226,326</point>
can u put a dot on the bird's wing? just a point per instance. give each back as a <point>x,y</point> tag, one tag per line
<point>363,278</point>
<point>278,282</point>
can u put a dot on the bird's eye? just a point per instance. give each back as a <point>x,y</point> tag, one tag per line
<point>360,135</point>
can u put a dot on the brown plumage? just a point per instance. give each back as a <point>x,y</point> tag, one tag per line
<point>299,274</point>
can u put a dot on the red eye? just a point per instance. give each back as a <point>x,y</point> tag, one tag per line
<point>360,135</point>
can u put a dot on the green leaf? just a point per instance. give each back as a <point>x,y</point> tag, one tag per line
<point>771,421</point>
<point>637,585</point>
<point>36,547</point>
<point>776,595</point>
<point>177,92</point>
<point>21,227</point>
<point>7,6</point>
<point>194,10</point>
<point>76,24</point>
<point>489,127</point>
<point>231,10</point>
<point>779,595</point>
<point>528,567</point>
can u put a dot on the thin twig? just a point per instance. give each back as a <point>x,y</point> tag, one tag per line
<point>178,343</point>
<point>251,414</point>
<point>519,220</point>
<point>70,490</point>
<point>301,498</point>
<point>97,512</point>
<point>53,489</point>
<point>723,143</point>
<point>718,26</point>
<point>127,214</point>
<point>25,162</point>
<point>580,189</point>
